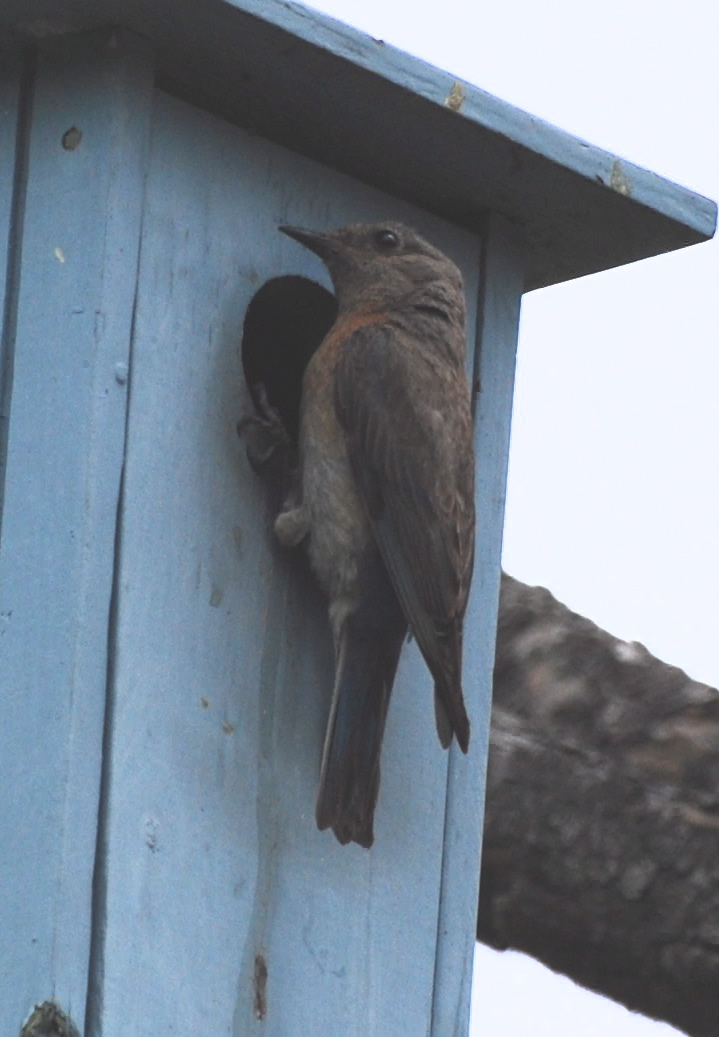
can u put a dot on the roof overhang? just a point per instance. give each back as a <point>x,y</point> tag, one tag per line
<point>369,110</point>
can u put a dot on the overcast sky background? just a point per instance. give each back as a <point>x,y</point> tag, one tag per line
<point>612,501</point>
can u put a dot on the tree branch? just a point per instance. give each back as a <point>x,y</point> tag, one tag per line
<point>601,845</point>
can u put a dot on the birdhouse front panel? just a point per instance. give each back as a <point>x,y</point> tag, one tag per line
<point>170,664</point>
<point>224,667</point>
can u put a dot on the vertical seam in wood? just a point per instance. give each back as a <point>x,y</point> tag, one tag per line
<point>98,915</point>
<point>14,254</point>
<point>98,912</point>
<point>96,958</point>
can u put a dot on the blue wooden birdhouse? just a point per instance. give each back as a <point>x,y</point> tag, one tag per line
<point>166,666</point>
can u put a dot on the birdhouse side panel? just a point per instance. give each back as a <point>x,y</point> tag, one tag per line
<point>225,906</point>
<point>502,281</point>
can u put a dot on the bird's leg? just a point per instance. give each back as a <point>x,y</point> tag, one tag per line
<point>264,433</point>
<point>266,438</point>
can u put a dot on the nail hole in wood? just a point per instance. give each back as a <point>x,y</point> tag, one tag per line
<point>71,138</point>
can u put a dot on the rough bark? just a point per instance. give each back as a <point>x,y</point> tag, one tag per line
<point>601,846</point>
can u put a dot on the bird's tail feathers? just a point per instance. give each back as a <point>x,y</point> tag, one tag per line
<point>367,661</point>
<point>449,709</point>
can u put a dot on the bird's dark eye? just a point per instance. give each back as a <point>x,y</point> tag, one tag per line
<point>386,240</point>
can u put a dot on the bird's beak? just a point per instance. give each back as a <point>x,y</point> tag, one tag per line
<point>316,242</point>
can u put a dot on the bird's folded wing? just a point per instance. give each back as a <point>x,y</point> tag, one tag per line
<point>409,439</point>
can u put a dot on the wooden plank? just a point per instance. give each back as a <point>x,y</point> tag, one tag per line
<point>80,235</point>
<point>498,325</point>
<point>222,670</point>
<point>266,64</point>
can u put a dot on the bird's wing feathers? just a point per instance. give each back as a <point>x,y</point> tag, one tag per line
<point>408,429</point>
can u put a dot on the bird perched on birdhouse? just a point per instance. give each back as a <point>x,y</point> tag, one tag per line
<point>384,499</point>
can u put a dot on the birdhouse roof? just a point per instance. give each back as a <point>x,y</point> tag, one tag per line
<point>369,110</point>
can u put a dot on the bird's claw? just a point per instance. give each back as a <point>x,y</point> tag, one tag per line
<point>264,433</point>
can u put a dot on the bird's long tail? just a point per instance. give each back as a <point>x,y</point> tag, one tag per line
<point>367,658</point>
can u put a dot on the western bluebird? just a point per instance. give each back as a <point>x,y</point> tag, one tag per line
<point>385,495</point>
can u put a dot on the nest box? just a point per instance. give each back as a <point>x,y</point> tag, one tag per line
<point>165,666</point>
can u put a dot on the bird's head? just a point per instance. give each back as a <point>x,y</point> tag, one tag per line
<point>376,265</point>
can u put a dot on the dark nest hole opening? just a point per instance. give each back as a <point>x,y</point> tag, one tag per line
<point>285,322</point>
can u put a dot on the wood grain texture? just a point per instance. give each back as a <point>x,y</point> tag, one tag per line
<point>345,99</point>
<point>502,275</point>
<point>223,900</point>
<point>80,233</point>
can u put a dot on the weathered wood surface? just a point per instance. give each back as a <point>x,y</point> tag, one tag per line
<point>138,560</point>
<point>220,890</point>
<point>371,111</point>
<point>602,826</point>
<point>70,341</point>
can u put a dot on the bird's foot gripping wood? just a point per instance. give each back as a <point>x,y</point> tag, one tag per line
<point>292,526</point>
<point>264,433</point>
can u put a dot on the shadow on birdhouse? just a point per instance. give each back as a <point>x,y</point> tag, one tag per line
<point>285,322</point>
